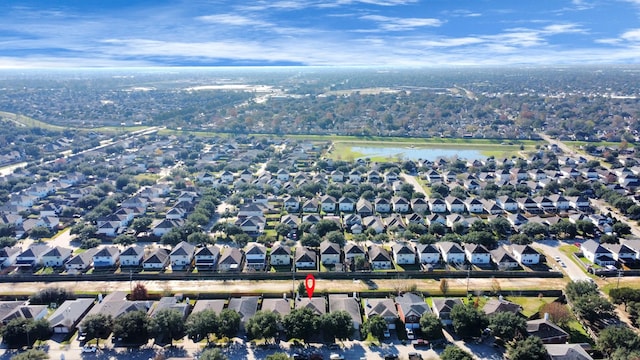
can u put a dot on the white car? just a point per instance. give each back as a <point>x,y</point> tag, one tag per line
<point>336,357</point>
<point>89,349</point>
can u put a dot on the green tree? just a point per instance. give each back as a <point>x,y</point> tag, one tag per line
<point>310,240</point>
<point>201,325</point>
<point>336,237</point>
<point>124,239</point>
<point>376,326</point>
<point>134,327</point>
<point>592,307</point>
<point>575,289</point>
<point>614,337</point>
<point>624,295</point>
<point>323,227</point>
<point>452,352</point>
<point>530,348</point>
<point>520,239</point>
<point>301,324</point>
<point>40,232</point>
<point>50,295</point>
<point>263,325</point>
<point>141,224</point>
<point>431,326</point>
<point>23,332</point>
<point>212,354</point>
<point>337,325</point>
<point>282,229</point>
<point>468,321</point>
<point>228,323</point>
<point>507,326</point>
<point>621,229</point>
<point>97,326</point>
<point>170,325</point>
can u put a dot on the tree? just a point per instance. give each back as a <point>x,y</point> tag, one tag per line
<point>40,232</point>
<point>452,352</point>
<point>201,325</point>
<point>575,289</point>
<point>444,286</point>
<point>520,239</point>
<point>376,326</point>
<point>617,337</point>
<point>532,229</point>
<point>31,354</point>
<point>310,240</point>
<point>51,295</point>
<point>263,325</point>
<point>323,227</point>
<point>134,327</point>
<point>468,321</point>
<point>530,348</point>
<point>336,237</point>
<point>558,313</point>
<point>97,326</point>
<point>337,325</point>
<point>301,324</point>
<point>212,354</point>
<point>507,325</point>
<point>170,325</point>
<point>592,307</point>
<point>200,238</point>
<point>20,332</point>
<point>141,224</point>
<point>139,292</point>
<point>564,229</point>
<point>431,326</point>
<point>621,228</point>
<point>228,323</point>
<point>282,229</point>
<point>124,239</point>
<point>586,227</point>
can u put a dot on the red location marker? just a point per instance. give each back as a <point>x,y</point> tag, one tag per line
<point>310,284</point>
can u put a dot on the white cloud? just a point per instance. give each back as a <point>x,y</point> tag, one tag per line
<point>231,19</point>
<point>402,24</point>
<point>631,35</point>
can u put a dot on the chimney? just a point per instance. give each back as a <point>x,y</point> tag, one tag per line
<point>546,316</point>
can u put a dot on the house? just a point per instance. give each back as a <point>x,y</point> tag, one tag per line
<point>182,255</point>
<point>342,302</point>
<point>474,206</point>
<point>364,207</point>
<point>165,226</point>
<point>451,252</point>
<point>291,204</point>
<point>316,304</point>
<point>328,203</point>
<point>280,255</point>
<point>507,203</point>
<point>428,254</point>
<point>110,228</point>
<point>404,253</point>
<point>346,204</point>
<point>596,253</point>
<point>310,206</point>
<point>82,261</point>
<point>337,176</point>
<point>455,205</point>
<point>255,256</point>
<point>10,310</point>
<point>525,254</point>
<point>385,308</point>
<point>442,309</point>
<point>411,307</point>
<point>305,258</point>
<point>56,257</point>
<point>400,204</point>
<point>547,331</point>
<point>382,205</point>
<point>567,352</point>
<point>32,256</point>
<point>252,225</point>
<point>158,259</point>
<point>353,250</point>
<point>132,256</point>
<point>8,255</point>
<point>170,302</point>
<point>621,252</point>
<point>419,205</point>
<point>477,254</point>
<point>494,306</point>
<point>279,306</point>
<point>206,257</point>
<point>245,306</point>
<point>373,222</point>
<point>292,220</point>
<point>231,260</point>
<point>503,259</point>
<point>330,253</point>
<point>68,315</point>
<point>379,258</point>
<point>106,257</point>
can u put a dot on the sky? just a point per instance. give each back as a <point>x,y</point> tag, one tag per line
<point>429,33</point>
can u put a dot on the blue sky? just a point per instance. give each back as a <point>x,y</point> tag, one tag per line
<point>118,33</point>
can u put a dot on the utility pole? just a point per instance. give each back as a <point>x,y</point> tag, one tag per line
<point>468,276</point>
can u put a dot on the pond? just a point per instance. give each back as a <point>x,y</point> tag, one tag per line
<point>408,153</point>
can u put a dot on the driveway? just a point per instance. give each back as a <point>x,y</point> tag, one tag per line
<point>551,248</point>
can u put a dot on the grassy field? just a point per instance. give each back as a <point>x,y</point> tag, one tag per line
<point>531,305</point>
<point>28,122</point>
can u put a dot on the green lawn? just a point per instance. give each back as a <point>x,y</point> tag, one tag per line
<point>577,334</point>
<point>530,305</point>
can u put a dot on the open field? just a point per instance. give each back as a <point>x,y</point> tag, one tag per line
<point>457,287</point>
<point>27,121</point>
